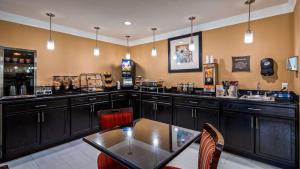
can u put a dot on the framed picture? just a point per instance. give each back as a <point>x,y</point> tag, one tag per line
<point>241,64</point>
<point>180,58</point>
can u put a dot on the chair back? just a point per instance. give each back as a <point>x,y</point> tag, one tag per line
<point>211,147</point>
<point>112,118</point>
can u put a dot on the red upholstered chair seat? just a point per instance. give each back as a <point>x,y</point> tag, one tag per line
<point>111,120</point>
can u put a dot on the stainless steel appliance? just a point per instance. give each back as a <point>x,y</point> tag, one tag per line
<point>128,73</point>
<point>17,72</point>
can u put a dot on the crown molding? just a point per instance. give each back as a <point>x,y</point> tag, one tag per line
<point>56,27</point>
<point>258,14</point>
<point>255,15</point>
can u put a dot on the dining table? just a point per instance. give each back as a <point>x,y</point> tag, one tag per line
<point>145,144</point>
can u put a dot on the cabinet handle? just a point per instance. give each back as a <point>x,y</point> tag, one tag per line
<point>134,95</point>
<point>155,106</point>
<point>40,106</point>
<point>43,117</point>
<point>252,122</point>
<point>112,104</point>
<point>92,99</point>
<point>121,95</point>
<point>254,109</point>
<point>192,102</point>
<point>39,118</point>
<point>91,108</point>
<point>257,124</point>
<point>192,113</point>
<point>195,113</point>
<point>129,102</point>
<point>154,97</point>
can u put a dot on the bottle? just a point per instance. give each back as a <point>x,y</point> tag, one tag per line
<point>12,90</point>
<point>207,59</point>
<point>23,89</point>
<point>211,60</point>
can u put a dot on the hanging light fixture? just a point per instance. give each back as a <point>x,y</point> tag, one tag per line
<point>154,51</point>
<point>192,44</point>
<point>249,33</point>
<point>127,56</point>
<point>96,49</point>
<point>50,42</point>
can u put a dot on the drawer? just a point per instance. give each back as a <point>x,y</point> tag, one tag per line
<point>260,109</point>
<point>79,100</point>
<point>98,98</point>
<point>119,96</point>
<point>135,95</point>
<point>159,98</point>
<point>36,105</point>
<point>197,102</point>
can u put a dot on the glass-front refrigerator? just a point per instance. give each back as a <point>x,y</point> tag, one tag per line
<point>18,72</point>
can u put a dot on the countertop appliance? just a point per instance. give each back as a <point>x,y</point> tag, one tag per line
<point>17,72</point>
<point>210,78</point>
<point>127,73</point>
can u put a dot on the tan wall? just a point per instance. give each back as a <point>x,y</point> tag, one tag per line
<point>297,43</point>
<point>72,55</point>
<point>273,38</point>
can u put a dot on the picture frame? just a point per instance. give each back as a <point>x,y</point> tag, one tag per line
<point>180,59</point>
<point>292,63</point>
<point>241,64</point>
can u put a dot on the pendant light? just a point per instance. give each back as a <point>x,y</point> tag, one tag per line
<point>154,51</point>
<point>50,42</point>
<point>249,33</point>
<point>192,44</point>
<point>96,49</point>
<point>127,56</point>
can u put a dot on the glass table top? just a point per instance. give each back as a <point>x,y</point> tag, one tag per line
<point>145,145</point>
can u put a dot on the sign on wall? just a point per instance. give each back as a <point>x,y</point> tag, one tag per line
<point>241,64</point>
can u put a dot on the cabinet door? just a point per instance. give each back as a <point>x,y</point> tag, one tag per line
<point>22,133</point>
<point>183,116</point>
<point>54,125</point>
<point>116,104</point>
<point>281,134</point>
<point>204,115</point>
<point>97,107</point>
<point>81,119</point>
<point>163,112</point>
<point>136,105</point>
<point>238,131</point>
<point>148,109</point>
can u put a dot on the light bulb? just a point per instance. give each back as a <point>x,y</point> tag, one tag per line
<point>96,51</point>
<point>248,37</point>
<point>50,44</point>
<point>192,46</point>
<point>154,52</point>
<point>127,56</point>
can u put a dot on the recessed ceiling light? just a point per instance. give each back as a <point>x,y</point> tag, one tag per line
<point>127,23</point>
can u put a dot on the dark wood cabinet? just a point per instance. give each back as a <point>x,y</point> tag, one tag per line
<point>54,125</point>
<point>136,105</point>
<point>119,100</point>
<point>81,119</point>
<point>184,116</point>
<point>238,131</point>
<point>148,109</point>
<point>22,133</point>
<point>97,107</point>
<point>205,115</point>
<point>163,112</point>
<point>275,139</point>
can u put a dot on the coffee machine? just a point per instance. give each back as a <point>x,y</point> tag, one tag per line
<point>127,73</point>
<point>210,77</point>
<point>18,72</point>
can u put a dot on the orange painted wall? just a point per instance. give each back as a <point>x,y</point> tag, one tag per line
<point>273,38</point>
<point>297,43</point>
<point>72,55</point>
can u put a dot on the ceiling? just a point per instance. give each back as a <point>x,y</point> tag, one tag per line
<point>166,15</point>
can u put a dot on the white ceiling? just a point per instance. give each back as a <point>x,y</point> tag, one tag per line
<point>167,15</point>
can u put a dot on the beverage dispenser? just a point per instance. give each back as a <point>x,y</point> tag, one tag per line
<point>210,77</point>
<point>128,73</point>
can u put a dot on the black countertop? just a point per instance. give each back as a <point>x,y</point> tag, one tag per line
<point>197,96</point>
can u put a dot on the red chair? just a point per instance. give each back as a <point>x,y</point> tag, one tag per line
<point>109,119</point>
<point>211,147</point>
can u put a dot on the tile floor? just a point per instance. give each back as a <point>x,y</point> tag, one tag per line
<point>79,155</point>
